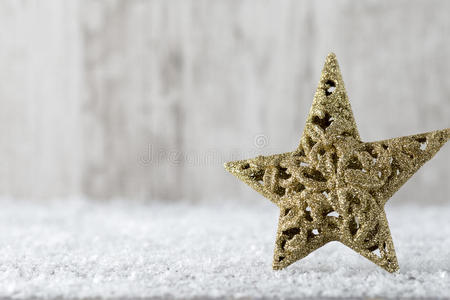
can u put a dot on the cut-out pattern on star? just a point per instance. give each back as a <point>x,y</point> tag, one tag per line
<point>333,187</point>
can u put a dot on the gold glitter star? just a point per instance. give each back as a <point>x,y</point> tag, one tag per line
<point>334,186</point>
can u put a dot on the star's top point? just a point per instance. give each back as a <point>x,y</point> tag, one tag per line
<point>331,114</point>
<point>331,57</point>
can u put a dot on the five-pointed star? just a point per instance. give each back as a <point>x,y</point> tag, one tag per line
<point>333,187</point>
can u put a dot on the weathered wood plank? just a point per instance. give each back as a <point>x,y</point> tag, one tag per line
<point>40,99</point>
<point>133,71</point>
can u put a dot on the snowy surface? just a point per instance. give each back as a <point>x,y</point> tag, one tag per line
<point>76,249</point>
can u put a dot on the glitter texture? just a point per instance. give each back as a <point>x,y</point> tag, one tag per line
<point>333,187</point>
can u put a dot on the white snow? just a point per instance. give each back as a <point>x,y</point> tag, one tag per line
<point>80,249</point>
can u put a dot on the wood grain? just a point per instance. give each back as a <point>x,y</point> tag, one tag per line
<point>146,99</point>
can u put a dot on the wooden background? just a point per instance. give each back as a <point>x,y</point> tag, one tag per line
<point>144,100</point>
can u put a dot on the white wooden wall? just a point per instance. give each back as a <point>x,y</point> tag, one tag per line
<point>89,88</point>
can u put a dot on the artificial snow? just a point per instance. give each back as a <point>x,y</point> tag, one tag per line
<point>82,249</point>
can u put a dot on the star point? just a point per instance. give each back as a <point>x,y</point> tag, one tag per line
<point>333,187</point>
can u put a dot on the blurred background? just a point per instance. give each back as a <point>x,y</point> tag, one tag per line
<point>145,100</point>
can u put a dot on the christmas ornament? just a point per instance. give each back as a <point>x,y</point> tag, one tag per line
<point>333,187</point>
